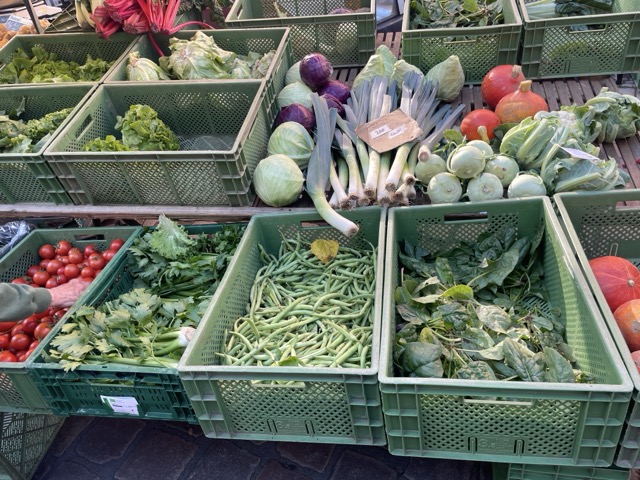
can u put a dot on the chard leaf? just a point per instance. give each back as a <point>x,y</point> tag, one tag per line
<point>523,361</point>
<point>421,359</point>
<point>558,369</point>
<point>476,371</point>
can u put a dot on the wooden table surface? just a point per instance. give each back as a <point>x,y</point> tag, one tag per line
<point>556,92</point>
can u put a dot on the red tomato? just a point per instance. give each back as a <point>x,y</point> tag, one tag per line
<point>47,251</point>
<point>41,315</point>
<point>40,278</point>
<point>17,329</point>
<point>29,324</point>
<point>42,331</point>
<point>53,266</point>
<point>75,256</point>
<point>20,341</point>
<point>116,244</point>
<point>51,283</point>
<point>83,264</point>
<point>87,272</point>
<point>61,279</point>
<point>89,249</point>
<point>108,255</point>
<point>65,259</point>
<point>7,356</point>
<point>47,318</point>
<point>21,355</point>
<point>63,247</point>
<point>5,338</point>
<point>33,269</point>
<point>87,279</point>
<point>21,281</point>
<point>71,270</point>
<point>44,263</point>
<point>96,261</point>
<point>57,315</point>
<point>34,344</point>
<point>60,271</point>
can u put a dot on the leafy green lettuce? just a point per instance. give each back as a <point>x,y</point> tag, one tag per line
<point>143,130</point>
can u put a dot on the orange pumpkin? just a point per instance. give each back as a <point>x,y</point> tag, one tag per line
<point>627,317</point>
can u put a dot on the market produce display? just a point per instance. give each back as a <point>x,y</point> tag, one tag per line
<point>175,276</point>
<point>462,316</point>
<point>20,136</point>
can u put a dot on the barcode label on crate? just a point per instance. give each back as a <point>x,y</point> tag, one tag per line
<point>127,405</point>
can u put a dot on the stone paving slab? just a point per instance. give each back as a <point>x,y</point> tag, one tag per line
<point>89,448</point>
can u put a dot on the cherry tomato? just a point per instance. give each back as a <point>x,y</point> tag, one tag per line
<point>89,249</point>
<point>41,331</point>
<point>20,341</point>
<point>5,338</point>
<point>87,272</point>
<point>33,269</point>
<point>7,356</point>
<point>47,251</point>
<point>108,255</point>
<point>116,244</point>
<point>96,261</point>
<point>29,324</point>
<point>40,278</point>
<point>63,247</point>
<point>53,266</point>
<point>76,256</point>
<point>44,263</point>
<point>61,279</point>
<point>71,270</point>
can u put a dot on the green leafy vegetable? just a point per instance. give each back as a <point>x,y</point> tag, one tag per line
<point>455,13</point>
<point>106,144</point>
<point>142,129</point>
<point>18,136</point>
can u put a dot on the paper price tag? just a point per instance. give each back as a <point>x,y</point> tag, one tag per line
<point>389,131</point>
<point>127,405</point>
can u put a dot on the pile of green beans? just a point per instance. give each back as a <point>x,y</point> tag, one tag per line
<point>305,312</point>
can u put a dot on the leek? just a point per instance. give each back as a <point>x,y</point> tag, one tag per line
<point>382,196</point>
<point>319,168</point>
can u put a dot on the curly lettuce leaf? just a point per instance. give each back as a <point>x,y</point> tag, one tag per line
<point>143,130</point>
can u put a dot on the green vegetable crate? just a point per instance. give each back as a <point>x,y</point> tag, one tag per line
<point>571,424</point>
<point>241,42</point>
<point>24,441</point>
<point>155,393</point>
<point>70,47</point>
<point>478,48</point>
<point>515,471</point>
<point>18,392</point>
<point>223,132</point>
<point>26,177</point>
<point>317,404</point>
<point>346,39</point>
<point>608,223</point>
<point>561,47</point>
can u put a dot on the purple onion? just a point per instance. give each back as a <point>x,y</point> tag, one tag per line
<point>315,70</point>
<point>338,89</point>
<point>333,102</point>
<point>296,113</point>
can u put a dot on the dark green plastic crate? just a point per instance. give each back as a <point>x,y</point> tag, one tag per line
<point>334,405</point>
<point>70,47</point>
<point>608,223</point>
<point>24,441</point>
<point>550,472</point>
<point>158,391</point>
<point>479,48</point>
<point>536,423</point>
<point>18,391</point>
<point>26,177</point>
<point>241,42</point>
<point>551,49</point>
<point>217,172</point>
<point>345,39</point>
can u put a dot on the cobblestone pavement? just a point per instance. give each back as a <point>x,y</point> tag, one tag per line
<point>89,448</point>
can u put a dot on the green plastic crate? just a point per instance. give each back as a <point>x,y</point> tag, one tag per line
<point>550,472</point>
<point>26,177</point>
<point>479,48</point>
<point>70,47</point>
<point>345,39</point>
<point>537,423</point>
<point>158,392</point>
<point>241,42</point>
<point>24,441</point>
<point>552,49</point>
<point>223,132</point>
<point>334,405</point>
<point>18,392</point>
<point>602,223</point>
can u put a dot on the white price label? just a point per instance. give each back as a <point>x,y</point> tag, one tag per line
<point>378,132</point>
<point>127,405</point>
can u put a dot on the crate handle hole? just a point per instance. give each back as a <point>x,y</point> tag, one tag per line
<point>495,401</point>
<point>465,217</point>
<point>314,224</point>
<point>271,384</point>
<point>588,30</point>
<point>98,237</point>
<point>458,42</point>
<point>84,127</point>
